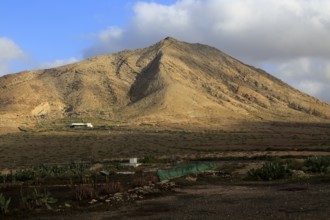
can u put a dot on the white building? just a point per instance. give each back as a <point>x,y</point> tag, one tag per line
<point>81,125</point>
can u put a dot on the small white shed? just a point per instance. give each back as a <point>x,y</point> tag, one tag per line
<point>81,125</point>
<point>133,160</point>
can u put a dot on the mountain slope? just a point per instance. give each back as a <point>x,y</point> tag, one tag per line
<point>166,83</point>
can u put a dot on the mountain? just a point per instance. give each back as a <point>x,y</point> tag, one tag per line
<point>168,83</point>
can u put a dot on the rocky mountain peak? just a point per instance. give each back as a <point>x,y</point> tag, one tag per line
<point>170,82</point>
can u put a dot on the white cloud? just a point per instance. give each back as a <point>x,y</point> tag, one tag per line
<point>250,29</point>
<point>167,17</point>
<point>308,74</point>
<point>292,36</point>
<point>12,56</point>
<point>9,52</point>
<point>57,63</point>
<point>310,87</point>
<point>110,33</point>
<point>297,68</point>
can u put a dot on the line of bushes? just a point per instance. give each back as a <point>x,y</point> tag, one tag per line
<point>281,169</point>
<point>45,171</point>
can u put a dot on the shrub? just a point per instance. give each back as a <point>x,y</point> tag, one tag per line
<point>111,188</point>
<point>270,171</point>
<point>140,182</point>
<point>145,180</point>
<point>83,192</point>
<point>318,164</point>
<point>25,175</point>
<point>152,178</point>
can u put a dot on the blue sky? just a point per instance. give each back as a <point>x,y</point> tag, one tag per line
<point>288,38</point>
<point>59,29</point>
<point>51,29</point>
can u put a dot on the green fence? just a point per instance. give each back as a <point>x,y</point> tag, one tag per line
<point>184,169</point>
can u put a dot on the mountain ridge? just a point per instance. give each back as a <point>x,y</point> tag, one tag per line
<point>170,82</point>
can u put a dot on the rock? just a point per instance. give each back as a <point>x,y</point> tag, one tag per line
<point>191,179</point>
<point>103,197</point>
<point>104,173</point>
<point>93,201</point>
<point>298,173</point>
<point>118,195</point>
<point>134,196</point>
<point>171,184</point>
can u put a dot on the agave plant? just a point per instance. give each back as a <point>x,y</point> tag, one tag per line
<point>38,200</point>
<point>4,203</point>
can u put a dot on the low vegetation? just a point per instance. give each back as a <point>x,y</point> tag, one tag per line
<point>318,164</point>
<point>4,204</point>
<point>38,199</point>
<point>38,186</point>
<point>84,192</point>
<point>282,169</point>
<point>44,171</point>
<point>150,159</point>
<point>271,170</point>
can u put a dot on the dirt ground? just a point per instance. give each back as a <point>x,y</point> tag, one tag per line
<point>33,148</point>
<point>281,200</point>
<point>209,200</point>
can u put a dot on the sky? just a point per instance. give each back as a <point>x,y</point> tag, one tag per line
<point>290,39</point>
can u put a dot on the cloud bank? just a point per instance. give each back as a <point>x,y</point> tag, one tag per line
<point>12,55</point>
<point>57,63</point>
<point>9,52</point>
<point>288,38</point>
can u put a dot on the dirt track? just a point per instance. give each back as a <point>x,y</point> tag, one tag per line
<point>307,200</point>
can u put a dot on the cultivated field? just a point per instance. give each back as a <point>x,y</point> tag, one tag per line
<point>55,172</point>
<point>67,145</point>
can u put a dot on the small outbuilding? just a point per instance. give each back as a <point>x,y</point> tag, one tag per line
<point>81,125</point>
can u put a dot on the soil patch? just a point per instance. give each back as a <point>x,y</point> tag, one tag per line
<point>303,200</point>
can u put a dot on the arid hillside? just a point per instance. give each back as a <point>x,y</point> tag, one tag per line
<point>170,82</point>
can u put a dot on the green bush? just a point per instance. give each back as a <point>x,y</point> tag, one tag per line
<point>318,164</point>
<point>270,171</point>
